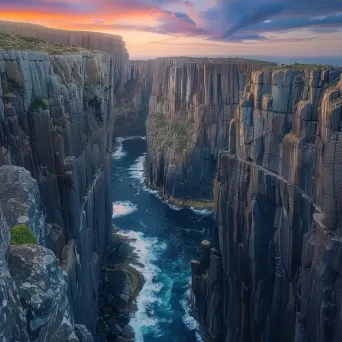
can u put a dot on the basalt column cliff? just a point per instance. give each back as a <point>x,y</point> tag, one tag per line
<point>56,126</point>
<point>132,100</point>
<point>272,271</point>
<point>191,105</point>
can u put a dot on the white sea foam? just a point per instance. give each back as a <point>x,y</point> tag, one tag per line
<point>202,212</point>
<point>188,320</point>
<point>148,250</point>
<point>151,191</point>
<point>136,171</point>
<point>122,208</point>
<point>119,152</point>
<point>173,206</point>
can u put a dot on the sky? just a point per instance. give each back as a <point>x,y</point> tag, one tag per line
<point>153,28</point>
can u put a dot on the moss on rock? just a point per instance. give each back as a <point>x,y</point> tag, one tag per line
<point>21,235</point>
<point>39,103</point>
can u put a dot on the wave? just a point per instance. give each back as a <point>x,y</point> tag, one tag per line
<point>173,206</point>
<point>123,208</point>
<point>202,212</point>
<point>119,152</point>
<point>151,191</point>
<point>188,320</point>
<point>148,250</point>
<point>168,203</point>
<point>137,171</point>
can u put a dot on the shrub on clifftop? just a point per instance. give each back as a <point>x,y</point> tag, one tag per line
<point>21,234</point>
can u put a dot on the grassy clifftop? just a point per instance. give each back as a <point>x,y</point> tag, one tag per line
<point>12,41</point>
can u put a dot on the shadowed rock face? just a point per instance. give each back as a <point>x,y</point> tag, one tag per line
<point>192,103</point>
<point>272,271</point>
<point>132,101</point>
<point>56,121</point>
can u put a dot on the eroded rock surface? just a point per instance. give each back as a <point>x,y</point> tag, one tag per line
<point>272,271</point>
<point>56,121</point>
<point>33,288</point>
<point>120,283</point>
<point>20,200</point>
<point>12,316</point>
<point>192,103</point>
<point>43,290</point>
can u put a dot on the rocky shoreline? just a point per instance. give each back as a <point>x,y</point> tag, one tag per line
<point>192,204</point>
<point>119,286</point>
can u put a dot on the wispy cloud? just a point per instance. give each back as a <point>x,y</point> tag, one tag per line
<point>231,16</point>
<point>223,21</point>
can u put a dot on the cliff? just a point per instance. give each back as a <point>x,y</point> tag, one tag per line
<point>112,44</point>
<point>132,101</point>
<point>272,271</point>
<point>191,105</point>
<point>56,125</point>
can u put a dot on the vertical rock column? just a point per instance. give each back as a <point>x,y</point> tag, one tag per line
<point>191,105</point>
<point>57,123</point>
<point>277,213</point>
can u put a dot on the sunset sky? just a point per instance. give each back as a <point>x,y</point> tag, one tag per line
<point>154,28</point>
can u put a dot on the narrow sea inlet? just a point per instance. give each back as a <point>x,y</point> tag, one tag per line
<point>166,238</point>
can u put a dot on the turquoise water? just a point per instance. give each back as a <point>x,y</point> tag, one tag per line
<point>166,239</point>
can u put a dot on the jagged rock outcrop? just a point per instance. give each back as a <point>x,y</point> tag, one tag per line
<point>120,283</point>
<point>191,105</point>
<point>33,288</point>
<point>20,201</point>
<point>56,121</point>
<point>273,269</point>
<point>13,321</point>
<point>43,289</point>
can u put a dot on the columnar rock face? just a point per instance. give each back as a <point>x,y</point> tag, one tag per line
<point>132,100</point>
<point>33,288</point>
<point>191,105</point>
<point>112,44</point>
<point>56,121</point>
<point>273,270</point>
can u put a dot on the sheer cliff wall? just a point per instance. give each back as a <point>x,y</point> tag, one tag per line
<point>112,44</point>
<point>272,271</point>
<point>56,121</point>
<point>191,105</point>
<point>132,100</point>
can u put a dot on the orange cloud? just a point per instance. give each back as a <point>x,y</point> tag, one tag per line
<point>142,21</point>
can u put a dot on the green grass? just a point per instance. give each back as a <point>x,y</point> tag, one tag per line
<point>39,103</point>
<point>21,235</point>
<point>299,66</point>
<point>12,41</point>
<point>170,134</point>
<point>58,125</point>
